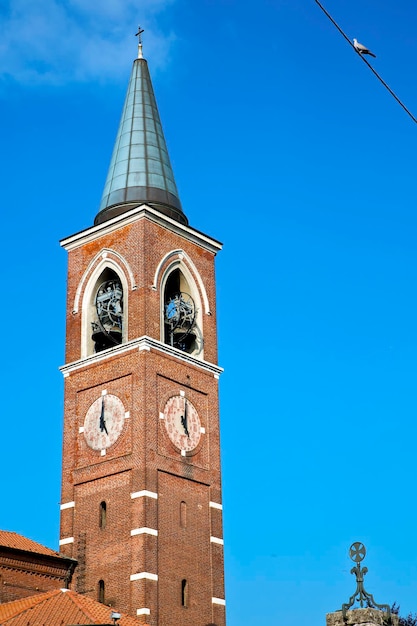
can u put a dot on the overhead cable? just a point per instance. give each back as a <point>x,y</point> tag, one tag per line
<point>367,62</point>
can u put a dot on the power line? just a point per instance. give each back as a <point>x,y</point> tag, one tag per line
<point>367,63</point>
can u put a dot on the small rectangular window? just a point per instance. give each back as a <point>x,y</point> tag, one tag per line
<point>100,595</point>
<point>183,514</point>
<point>184,593</point>
<point>103,515</point>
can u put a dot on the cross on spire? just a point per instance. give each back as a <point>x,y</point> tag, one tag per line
<point>139,36</point>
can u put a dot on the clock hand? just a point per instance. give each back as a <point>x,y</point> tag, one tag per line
<point>184,419</point>
<point>102,420</point>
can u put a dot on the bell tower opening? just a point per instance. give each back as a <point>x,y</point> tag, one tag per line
<point>107,311</point>
<point>180,313</point>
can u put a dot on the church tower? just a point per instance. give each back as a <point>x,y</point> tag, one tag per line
<point>141,506</point>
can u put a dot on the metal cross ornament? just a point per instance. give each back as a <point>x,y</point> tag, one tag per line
<point>139,34</point>
<point>357,553</point>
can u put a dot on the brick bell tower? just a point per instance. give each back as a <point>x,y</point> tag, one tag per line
<point>141,506</point>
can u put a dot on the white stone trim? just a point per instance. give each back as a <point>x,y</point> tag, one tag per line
<point>217,540</point>
<point>219,601</point>
<point>161,415</point>
<point>81,429</point>
<point>136,344</point>
<point>142,575</point>
<point>88,308</point>
<point>97,357</point>
<point>143,611</point>
<point>100,259</point>
<point>216,505</point>
<point>67,540</point>
<point>184,259</point>
<point>140,212</point>
<point>202,430</point>
<point>67,505</point>
<point>182,393</point>
<point>144,531</point>
<point>127,415</point>
<point>183,453</point>
<point>103,452</point>
<point>144,493</point>
<point>193,290</point>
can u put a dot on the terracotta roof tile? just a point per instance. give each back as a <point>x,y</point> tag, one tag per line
<point>60,607</point>
<point>9,539</point>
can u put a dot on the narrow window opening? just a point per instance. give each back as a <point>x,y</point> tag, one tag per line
<point>107,312</point>
<point>103,515</point>
<point>179,313</point>
<point>184,593</point>
<point>183,514</point>
<point>101,591</point>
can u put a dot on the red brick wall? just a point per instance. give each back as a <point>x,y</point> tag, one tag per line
<point>184,552</point>
<point>107,550</point>
<point>143,245</point>
<point>144,458</point>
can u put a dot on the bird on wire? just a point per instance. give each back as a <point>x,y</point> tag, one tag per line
<point>362,49</point>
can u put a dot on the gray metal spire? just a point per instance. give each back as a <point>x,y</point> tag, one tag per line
<point>140,170</point>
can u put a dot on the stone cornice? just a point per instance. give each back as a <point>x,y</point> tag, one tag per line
<point>142,344</point>
<point>42,565</point>
<point>141,212</point>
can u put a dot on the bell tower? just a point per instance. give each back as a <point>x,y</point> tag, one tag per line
<point>141,506</point>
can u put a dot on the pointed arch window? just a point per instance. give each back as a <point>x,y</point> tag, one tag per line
<point>106,312</point>
<point>180,314</point>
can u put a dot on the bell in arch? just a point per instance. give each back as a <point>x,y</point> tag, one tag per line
<point>108,324</point>
<point>180,313</point>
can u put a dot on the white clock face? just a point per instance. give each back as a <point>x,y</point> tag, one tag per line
<point>104,422</point>
<point>182,423</point>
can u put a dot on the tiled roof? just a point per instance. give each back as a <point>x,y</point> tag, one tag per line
<point>13,540</point>
<point>60,607</point>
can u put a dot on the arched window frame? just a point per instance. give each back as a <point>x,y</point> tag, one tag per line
<point>181,256</point>
<point>88,302</point>
<point>179,264</point>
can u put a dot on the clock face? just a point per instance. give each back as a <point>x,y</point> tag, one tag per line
<point>182,423</point>
<point>104,422</point>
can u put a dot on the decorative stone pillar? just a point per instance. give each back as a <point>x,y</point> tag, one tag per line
<point>361,617</point>
<point>369,612</point>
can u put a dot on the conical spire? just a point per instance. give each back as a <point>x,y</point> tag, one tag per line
<point>140,170</point>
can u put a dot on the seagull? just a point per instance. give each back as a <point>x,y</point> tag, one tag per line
<point>362,49</point>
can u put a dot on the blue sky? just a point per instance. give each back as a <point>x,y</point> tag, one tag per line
<point>286,148</point>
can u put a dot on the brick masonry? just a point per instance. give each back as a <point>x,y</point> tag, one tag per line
<point>24,574</point>
<point>144,570</point>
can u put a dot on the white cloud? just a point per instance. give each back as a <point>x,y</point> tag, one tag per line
<point>60,41</point>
